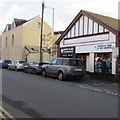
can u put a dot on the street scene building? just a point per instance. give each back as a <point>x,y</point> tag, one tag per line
<point>93,38</point>
<point>49,73</point>
<point>21,40</point>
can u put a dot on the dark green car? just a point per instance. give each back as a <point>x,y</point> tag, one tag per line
<point>64,68</point>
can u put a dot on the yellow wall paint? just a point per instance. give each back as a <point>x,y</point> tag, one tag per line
<point>27,34</point>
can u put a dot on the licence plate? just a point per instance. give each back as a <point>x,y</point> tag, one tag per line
<point>78,69</point>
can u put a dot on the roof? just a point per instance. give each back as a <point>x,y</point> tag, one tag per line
<point>9,27</point>
<point>35,49</point>
<point>110,23</point>
<point>19,21</point>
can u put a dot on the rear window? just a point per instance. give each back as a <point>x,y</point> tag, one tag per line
<point>22,62</point>
<point>7,61</point>
<point>75,62</point>
<point>40,64</point>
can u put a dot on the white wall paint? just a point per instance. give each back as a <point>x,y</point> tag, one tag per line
<point>85,25</point>
<point>91,62</point>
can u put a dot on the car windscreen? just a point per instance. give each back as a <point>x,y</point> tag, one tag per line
<point>22,62</point>
<point>73,62</point>
<point>7,61</point>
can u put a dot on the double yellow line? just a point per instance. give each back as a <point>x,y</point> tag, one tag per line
<point>5,115</point>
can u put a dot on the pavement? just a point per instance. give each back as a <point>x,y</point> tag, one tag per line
<point>99,85</point>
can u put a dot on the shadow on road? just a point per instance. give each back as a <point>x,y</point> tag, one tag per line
<point>20,106</point>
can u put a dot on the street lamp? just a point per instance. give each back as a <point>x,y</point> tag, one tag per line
<point>52,29</point>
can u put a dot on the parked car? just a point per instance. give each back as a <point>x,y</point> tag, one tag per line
<point>4,63</point>
<point>64,67</point>
<point>34,67</point>
<point>17,65</point>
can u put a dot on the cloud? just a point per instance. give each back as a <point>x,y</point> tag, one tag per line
<point>14,11</point>
<point>1,3</point>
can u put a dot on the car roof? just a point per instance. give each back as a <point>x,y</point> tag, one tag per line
<point>68,58</point>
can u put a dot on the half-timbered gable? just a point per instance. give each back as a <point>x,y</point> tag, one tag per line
<point>90,36</point>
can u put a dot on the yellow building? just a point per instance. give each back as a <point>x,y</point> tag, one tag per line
<point>21,40</point>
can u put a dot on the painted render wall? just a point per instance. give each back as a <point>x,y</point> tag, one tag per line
<point>12,51</point>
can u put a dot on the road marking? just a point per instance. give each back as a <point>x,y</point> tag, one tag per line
<point>5,114</point>
<point>98,90</point>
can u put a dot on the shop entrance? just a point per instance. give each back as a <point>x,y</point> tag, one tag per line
<point>99,58</point>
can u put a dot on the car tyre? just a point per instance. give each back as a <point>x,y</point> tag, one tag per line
<point>61,76</point>
<point>44,73</point>
<point>16,69</point>
<point>8,68</point>
<point>35,72</point>
<point>25,70</point>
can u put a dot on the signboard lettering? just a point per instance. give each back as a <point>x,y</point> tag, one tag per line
<point>103,47</point>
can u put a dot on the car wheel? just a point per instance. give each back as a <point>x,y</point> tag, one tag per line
<point>44,73</point>
<point>61,76</point>
<point>25,70</point>
<point>8,68</point>
<point>16,69</point>
<point>35,72</point>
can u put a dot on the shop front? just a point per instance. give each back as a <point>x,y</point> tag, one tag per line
<point>92,39</point>
<point>67,52</point>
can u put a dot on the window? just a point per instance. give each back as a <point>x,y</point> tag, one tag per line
<point>59,61</point>
<point>12,40</point>
<point>75,62</point>
<point>54,62</point>
<point>65,62</point>
<point>6,40</point>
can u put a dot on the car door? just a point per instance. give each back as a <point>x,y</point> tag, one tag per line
<point>30,67</point>
<point>50,69</point>
<point>12,65</point>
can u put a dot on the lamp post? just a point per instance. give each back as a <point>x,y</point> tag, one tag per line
<point>41,32</point>
<point>52,44</point>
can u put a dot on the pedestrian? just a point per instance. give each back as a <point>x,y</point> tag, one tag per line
<point>103,68</point>
<point>108,65</point>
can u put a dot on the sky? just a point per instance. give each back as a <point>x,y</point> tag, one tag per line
<point>64,10</point>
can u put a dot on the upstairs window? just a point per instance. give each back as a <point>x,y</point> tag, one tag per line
<point>12,40</point>
<point>6,41</point>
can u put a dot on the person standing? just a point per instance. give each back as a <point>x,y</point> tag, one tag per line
<point>108,65</point>
<point>103,68</point>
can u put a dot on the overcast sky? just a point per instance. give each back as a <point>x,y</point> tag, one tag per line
<point>64,10</point>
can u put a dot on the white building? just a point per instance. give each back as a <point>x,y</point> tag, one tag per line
<point>90,37</point>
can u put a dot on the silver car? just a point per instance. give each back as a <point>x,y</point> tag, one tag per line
<point>17,65</point>
<point>34,67</point>
<point>64,68</point>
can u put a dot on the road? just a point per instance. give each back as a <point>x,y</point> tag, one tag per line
<point>33,96</point>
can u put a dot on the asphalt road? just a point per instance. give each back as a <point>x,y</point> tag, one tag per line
<point>33,96</point>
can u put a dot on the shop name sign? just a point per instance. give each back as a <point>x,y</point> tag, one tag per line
<point>103,47</point>
<point>68,50</point>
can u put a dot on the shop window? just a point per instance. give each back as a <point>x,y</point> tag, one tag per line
<point>99,58</point>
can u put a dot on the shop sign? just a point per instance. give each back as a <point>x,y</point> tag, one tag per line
<point>103,47</point>
<point>67,50</point>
